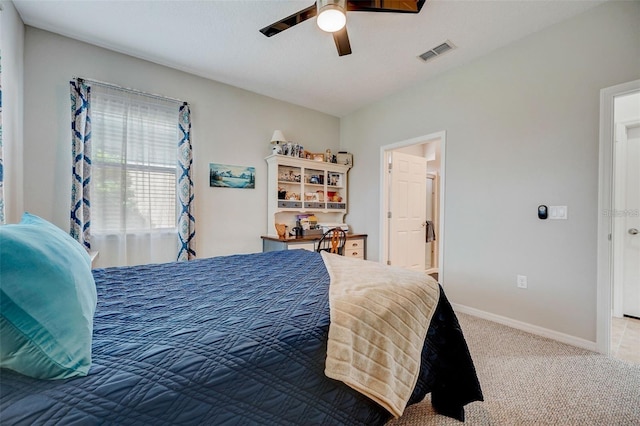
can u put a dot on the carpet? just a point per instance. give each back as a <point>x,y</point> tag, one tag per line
<point>531,380</point>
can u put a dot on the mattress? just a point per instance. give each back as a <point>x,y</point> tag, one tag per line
<point>233,340</point>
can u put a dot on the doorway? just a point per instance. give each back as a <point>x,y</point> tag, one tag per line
<point>411,226</point>
<point>619,218</point>
<point>626,202</point>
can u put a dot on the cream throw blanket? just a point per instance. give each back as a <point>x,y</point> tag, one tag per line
<point>379,321</point>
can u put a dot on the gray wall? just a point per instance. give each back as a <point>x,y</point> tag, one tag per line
<point>521,130</point>
<point>230,126</point>
<point>12,46</point>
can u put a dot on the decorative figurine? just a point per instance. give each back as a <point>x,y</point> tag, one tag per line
<point>281,229</point>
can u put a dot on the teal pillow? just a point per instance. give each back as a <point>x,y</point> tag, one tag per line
<point>47,301</point>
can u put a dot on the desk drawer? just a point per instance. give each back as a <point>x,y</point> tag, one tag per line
<point>354,248</point>
<point>355,253</point>
<point>303,246</point>
<point>354,244</point>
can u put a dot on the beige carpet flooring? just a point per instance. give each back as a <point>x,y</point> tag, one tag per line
<point>530,380</point>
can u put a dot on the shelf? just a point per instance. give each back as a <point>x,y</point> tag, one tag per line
<point>292,175</point>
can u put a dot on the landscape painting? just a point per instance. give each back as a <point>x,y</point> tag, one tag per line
<point>226,176</point>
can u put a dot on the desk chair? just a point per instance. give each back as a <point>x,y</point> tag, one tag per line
<point>332,241</point>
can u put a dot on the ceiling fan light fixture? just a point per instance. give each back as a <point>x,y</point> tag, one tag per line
<point>331,15</point>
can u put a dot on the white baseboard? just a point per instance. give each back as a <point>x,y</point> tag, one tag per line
<point>529,328</point>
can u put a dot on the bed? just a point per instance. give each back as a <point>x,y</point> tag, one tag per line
<point>238,339</point>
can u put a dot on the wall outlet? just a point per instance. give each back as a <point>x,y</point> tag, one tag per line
<point>521,280</point>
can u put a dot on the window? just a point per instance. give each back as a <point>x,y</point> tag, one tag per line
<point>133,177</point>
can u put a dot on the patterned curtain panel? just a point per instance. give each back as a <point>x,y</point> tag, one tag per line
<point>1,156</point>
<point>186,221</point>
<point>81,162</point>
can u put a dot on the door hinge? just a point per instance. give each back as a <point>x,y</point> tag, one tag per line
<point>390,165</point>
<point>389,262</point>
<point>388,215</point>
<point>609,237</point>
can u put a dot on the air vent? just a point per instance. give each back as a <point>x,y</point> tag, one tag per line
<point>429,54</point>
<point>437,51</point>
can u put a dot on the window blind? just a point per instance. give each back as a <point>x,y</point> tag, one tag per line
<point>134,148</point>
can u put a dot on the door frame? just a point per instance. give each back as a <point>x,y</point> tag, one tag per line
<point>605,213</point>
<point>384,199</point>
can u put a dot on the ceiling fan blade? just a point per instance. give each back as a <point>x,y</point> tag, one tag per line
<point>342,42</point>
<point>399,6</point>
<point>290,21</point>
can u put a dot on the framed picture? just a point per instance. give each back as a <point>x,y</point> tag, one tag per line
<point>317,157</point>
<point>226,176</point>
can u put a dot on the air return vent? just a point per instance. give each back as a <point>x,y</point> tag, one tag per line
<point>437,51</point>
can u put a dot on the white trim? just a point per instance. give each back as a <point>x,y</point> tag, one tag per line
<point>384,199</point>
<point>605,204</point>
<point>529,328</point>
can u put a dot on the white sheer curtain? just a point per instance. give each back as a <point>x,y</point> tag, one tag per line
<point>133,182</point>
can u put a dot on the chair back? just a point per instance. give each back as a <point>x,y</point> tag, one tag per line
<point>332,241</point>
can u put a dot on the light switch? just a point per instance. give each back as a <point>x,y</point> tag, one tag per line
<point>558,212</point>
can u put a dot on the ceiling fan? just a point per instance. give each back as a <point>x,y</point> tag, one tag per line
<point>331,17</point>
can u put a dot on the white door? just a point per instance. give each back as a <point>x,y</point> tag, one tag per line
<point>627,215</point>
<point>407,208</point>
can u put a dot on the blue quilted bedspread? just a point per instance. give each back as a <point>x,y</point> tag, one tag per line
<point>235,340</point>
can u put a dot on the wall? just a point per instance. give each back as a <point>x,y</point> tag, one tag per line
<point>230,126</point>
<point>530,111</point>
<point>12,46</point>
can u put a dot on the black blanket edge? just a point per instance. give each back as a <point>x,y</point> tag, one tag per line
<point>454,383</point>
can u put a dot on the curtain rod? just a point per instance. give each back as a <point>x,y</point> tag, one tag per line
<point>128,89</point>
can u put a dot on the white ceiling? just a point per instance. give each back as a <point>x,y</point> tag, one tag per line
<point>220,40</point>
